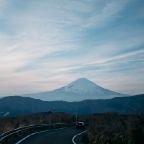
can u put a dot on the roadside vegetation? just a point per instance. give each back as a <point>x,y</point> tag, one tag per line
<point>8,123</point>
<point>115,129</point>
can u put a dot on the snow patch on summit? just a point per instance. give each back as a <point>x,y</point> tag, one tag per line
<point>81,85</point>
<point>84,86</point>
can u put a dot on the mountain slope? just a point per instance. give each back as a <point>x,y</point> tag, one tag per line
<point>17,105</point>
<point>78,90</point>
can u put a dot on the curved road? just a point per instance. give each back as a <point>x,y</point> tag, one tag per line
<point>59,136</point>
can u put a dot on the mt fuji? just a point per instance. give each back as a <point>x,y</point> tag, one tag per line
<point>81,89</point>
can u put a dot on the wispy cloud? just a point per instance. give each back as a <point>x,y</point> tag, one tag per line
<point>45,44</point>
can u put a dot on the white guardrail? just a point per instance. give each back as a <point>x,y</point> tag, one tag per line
<point>11,136</point>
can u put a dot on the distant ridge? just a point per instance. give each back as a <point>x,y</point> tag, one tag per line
<point>78,90</point>
<point>16,105</point>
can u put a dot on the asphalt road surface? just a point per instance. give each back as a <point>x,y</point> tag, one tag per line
<point>59,136</point>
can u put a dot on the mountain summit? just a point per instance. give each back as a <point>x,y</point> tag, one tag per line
<point>81,85</point>
<point>78,90</point>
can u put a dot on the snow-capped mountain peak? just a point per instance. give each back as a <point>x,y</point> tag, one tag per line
<point>81,85</point>
<point>78,90</point>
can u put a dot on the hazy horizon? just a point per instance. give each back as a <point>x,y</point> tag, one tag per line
<point>47,44</point>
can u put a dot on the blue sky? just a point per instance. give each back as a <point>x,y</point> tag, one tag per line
<point>45,44</point>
